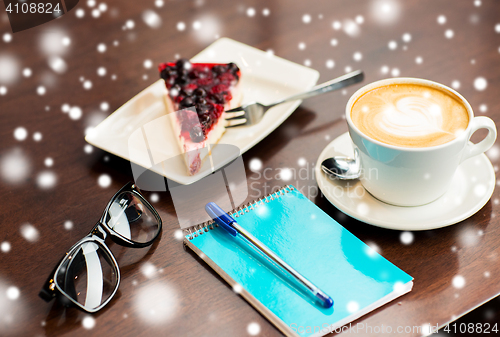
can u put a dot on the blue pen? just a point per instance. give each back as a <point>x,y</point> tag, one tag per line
<point>231,226</point>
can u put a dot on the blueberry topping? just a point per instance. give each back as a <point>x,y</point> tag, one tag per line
<point>200,100</point>
<point>200,92</point>
<point>183,64</point>
<point>219,69</point>
<point>196,134</point>
<point>186,102</point>
<point>218,98</point>
<point>233,68</point>
<point>181,80</point>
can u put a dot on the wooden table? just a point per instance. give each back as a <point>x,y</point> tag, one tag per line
<point>188,298</point>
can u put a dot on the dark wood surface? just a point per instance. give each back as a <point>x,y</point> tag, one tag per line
<point>186,297</point>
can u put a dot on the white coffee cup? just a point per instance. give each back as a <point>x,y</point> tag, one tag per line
<point>406,176</point>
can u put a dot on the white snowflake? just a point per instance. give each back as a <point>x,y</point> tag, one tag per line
<point>152,19</point>
<point>46,180</point>
<point>181,26</point>
<point>75,113</point>
<point>20,133</point>
<point>101,48</point>
<point>286,174</point>
<point>480,83</point>
<point>253,329</point>
<point>88,322</point>
<point>41,90</point>
<point>392,45</point>
<point>5,247</point>
<point>7,37</point>
<point>406,238</point>
<point>255,164</point>
<point>352,306</point>
<point>101,71</point>
<point>306,18</point>
<point>458,281</point>
<point>29,232</point>
<point>68,225</point>
<point>13,293</point>
<point>251,12</point>
<point>104,180</point>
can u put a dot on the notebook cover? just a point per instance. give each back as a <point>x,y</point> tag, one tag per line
<point>354,275</point>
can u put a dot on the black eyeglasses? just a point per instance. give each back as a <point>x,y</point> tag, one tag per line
<point>88,276</point>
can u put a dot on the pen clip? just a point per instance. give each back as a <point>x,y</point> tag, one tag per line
<point>222,218</point>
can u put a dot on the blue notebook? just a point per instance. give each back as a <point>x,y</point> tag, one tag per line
<point>354,275</point>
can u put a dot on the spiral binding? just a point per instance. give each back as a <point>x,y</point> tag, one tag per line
<point>204,227</point>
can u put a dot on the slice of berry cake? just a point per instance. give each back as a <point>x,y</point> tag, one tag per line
<point>198,95</point>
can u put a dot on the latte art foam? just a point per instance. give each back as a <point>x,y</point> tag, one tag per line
<point>410,115</point>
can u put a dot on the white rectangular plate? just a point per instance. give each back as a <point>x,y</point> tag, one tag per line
<point>265,78</point>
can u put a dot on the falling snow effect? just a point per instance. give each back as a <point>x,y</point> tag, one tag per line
<point>406,238</point>
<point>386,12</point>
<point>156,303</point>
<point>88,322</point>
<point>154,197</point>
<point>48,162</point>
<point>15,166</point>
<point>351,28</point>
<point>41,90</point>
<point>46,180</point>
<point>20,133</point>
<point>255,164</point>
<point>104,181</point>
<point>29,232</point>
<point>101,71</point>
<point>148,270</point>
<point>75,113</point>
<point>237,288</point>
<point>57,64</point>
<point>458,281</point>
<point>68,225</point>
<point>104,106</point>
<point>286,174</point>
<point>9,69</point>
<point>13,293</point>
<point>152,19</point>
<point>101,48</point>
<point>352,306</point>
<point>251,12</point>
<point>178,235</point>
<point>480,83</point>
<point>5,247</point>
<point>253,329</point>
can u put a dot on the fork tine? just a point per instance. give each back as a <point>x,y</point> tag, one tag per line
<point>235,109</point>
<point>236,114</point>
<point>236,122</point>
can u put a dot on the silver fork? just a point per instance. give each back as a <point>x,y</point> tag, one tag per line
<point>252,113</point>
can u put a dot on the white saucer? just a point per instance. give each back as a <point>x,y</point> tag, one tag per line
<point>470,190</point>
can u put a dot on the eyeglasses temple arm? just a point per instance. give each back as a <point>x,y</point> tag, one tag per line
<point>49,291</point>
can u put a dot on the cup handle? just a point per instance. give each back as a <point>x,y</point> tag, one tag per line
<point>480,122</point>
